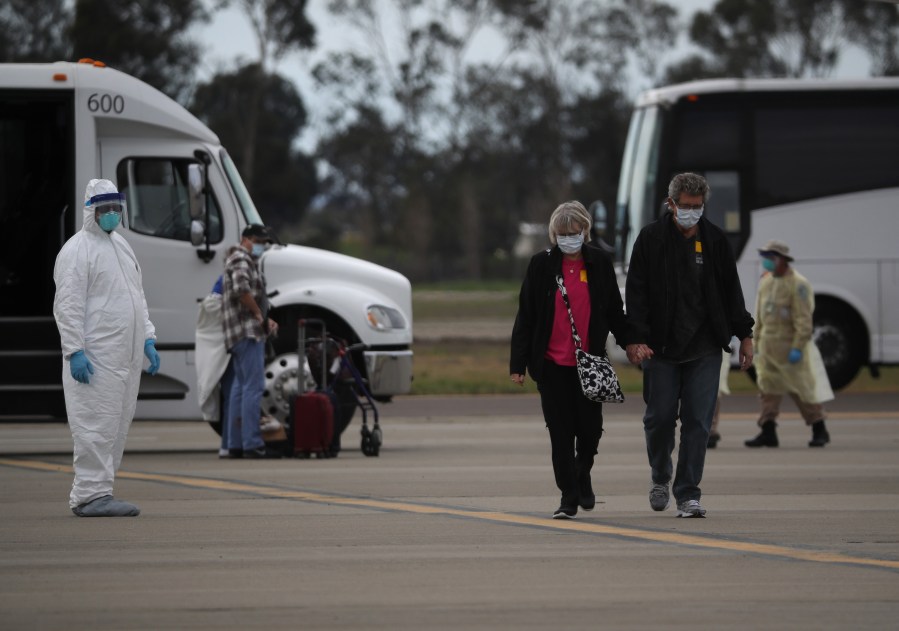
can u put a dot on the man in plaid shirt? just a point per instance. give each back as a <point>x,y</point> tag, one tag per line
<point>246,325</point>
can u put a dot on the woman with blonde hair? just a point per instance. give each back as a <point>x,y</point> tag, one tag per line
<point>543,346</point>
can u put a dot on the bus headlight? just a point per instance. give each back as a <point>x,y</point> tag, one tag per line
<point>382,318</point>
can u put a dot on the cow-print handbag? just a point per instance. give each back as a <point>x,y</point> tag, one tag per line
<point>598,379</point>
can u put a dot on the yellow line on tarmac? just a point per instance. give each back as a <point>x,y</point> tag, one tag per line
<point>589,527</point>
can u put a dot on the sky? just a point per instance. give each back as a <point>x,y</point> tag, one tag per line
<point>227,37</point>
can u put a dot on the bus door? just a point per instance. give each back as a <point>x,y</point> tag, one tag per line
<point>37,212</point>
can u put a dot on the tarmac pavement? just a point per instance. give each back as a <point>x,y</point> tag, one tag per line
<point>449,528</point>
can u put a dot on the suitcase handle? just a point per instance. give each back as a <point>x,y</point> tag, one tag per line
<point>301,352</point>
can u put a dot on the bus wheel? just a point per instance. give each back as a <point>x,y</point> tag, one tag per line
<point>840,336</point>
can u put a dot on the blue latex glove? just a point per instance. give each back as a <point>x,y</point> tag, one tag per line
<point>152,355</point>
<point>81,368</point>
<point>794,356</point>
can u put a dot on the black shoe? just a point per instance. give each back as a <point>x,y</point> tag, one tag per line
<point>767,437</point>
<point>586,498</point>
<point>234,454</point>
<point>565,512</point>
<point>714,437</point>
<point>262,452</point>
<point>820,437</point>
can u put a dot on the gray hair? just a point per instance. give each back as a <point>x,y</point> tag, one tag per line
<point>567,217</point>
<point>689,183</point>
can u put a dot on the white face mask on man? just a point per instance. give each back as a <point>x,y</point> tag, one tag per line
<point>570,244</point>
<point>688,217</point>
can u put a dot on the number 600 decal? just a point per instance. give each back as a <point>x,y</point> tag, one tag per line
<point>106,103</point>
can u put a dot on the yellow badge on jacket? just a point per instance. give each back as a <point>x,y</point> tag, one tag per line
<point>698,252</point>
<point>583,276</point>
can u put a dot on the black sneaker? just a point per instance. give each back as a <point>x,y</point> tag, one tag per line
<point>565,512</point>
<point>261,452</point>
<point>714,437</point>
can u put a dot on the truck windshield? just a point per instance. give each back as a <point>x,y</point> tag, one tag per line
<point>240,190</point>
<point>635,206</point>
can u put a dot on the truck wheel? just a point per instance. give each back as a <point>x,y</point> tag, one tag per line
<point>841,337</point>
<point>281,371</point>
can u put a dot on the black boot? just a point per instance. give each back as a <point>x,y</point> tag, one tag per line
<point>586,497</point>
<point>820,437</point>
<point>767,437</point>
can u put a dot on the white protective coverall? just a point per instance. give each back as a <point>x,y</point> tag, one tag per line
<point>211,357</point>
<point>783,321</point>
<point>100,308</point>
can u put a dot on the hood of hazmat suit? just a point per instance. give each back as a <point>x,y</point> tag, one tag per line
<point>100,308</point>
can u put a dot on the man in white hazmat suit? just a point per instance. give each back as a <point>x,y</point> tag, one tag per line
<point>106,332</point>
<point>787,360</point>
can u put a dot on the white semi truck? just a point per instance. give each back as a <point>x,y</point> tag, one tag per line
<point>62,124</point>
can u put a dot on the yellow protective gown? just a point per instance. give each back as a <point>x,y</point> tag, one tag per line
<point>783,321</point>
<point>100,308</point>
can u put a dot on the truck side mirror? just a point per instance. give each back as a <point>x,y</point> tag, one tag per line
<point>197,232</point>
<point>600,230</point>
<point>600,218</point>
<point>196,191</point>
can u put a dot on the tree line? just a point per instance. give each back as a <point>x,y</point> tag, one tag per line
<point>430,153</point>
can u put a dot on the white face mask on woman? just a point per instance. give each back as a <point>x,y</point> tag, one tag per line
<point>570,244</point>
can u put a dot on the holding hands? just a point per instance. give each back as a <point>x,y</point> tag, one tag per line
<point>636,353</point>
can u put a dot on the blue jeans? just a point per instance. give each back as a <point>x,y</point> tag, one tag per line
<point>694,385</point>
<point>227,385</point>
<point>248,362</point>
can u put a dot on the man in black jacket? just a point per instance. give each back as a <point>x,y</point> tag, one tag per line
<point>684,304</point>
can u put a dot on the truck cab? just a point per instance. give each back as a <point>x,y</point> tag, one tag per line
<point>62,124</point>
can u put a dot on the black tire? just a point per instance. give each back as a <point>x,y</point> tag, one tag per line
<point>286,343</point>
<point>842,339</point>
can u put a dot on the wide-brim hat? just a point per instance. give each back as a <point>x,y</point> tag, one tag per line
<point>776,247</point>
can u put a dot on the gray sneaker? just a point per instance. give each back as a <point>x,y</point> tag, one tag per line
<point>690,508</point>
<point>658,496</point>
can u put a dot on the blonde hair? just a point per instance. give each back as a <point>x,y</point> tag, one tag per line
<point>566,217</point>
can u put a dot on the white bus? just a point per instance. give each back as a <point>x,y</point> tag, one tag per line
<point>814,163</point>
<point>62,124</point>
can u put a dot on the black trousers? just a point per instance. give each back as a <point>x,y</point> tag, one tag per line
<point>575,427</point>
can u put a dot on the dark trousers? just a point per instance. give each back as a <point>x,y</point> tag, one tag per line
<point>688,390</point>
<point>575,426</point>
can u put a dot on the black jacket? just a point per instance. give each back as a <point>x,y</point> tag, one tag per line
<point>536,308</point>
<point>652,285</point>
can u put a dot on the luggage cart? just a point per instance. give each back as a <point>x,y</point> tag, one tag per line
<point>372,438</point>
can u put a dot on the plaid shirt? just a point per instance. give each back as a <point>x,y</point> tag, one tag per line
<point>241,276</point>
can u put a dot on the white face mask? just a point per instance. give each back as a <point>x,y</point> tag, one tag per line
<point>570,244</point>
<point>688,217</point>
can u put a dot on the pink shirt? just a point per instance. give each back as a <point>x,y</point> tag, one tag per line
<point>560,349</point>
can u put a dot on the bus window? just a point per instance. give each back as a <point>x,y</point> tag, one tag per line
<point>624,186</point>
<point>810,152</point>
<point>707,138</point>
<point>724,202</point>
<point>642,207</point>
<point>723,208</point>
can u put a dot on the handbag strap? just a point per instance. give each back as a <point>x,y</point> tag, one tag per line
<point>561,284</point>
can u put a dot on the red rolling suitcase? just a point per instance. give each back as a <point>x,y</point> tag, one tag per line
<point>313,412</point>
